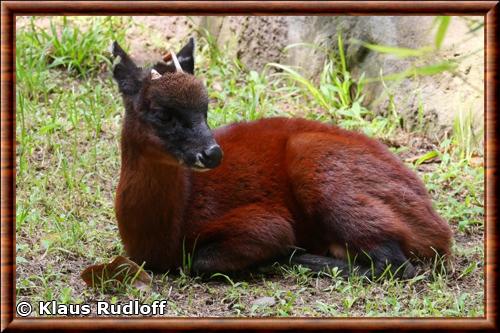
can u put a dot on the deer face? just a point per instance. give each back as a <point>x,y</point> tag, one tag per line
<point>166,109</point>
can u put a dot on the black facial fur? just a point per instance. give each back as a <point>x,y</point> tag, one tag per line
<point>173,105</point>
<point>184,131</point>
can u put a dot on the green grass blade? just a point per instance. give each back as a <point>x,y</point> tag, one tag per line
<point>341,53</point>
<point>294,75</point>
<point>315,47</point>
<point>444,22</point>
<point>446,66</point>
<point>426,157</point>
<point>400,52</point>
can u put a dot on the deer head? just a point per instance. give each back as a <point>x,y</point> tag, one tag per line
<point>166,109</point>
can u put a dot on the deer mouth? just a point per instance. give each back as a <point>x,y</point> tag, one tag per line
<point>198,169</point>
<point>199,166</point>
<point>207,160</point>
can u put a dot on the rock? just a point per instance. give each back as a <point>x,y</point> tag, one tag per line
<point>264,301</point>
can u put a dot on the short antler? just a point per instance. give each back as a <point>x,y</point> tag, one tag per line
<point>171,56</point>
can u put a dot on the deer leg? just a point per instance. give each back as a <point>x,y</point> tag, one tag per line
<point>242,238</point>
<point>388,256</point>
<point>367,233</point>
<point>359,227</point>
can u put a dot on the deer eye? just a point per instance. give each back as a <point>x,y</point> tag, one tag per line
<point>162,115</point>
<point>186,124</point>
<point>166,117</point>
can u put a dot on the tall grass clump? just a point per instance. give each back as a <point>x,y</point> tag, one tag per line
<point>465,137</point>
<point>66,124</point>
<point>237,93</point>
<point>337,93</point>
<point>65,44</point>
<point>334,93</point>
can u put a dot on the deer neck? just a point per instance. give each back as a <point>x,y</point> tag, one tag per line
<point>150,203</point>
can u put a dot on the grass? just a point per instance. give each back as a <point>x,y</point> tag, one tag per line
<point>68,123</point>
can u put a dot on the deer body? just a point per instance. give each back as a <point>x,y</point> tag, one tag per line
<point>282,183</point>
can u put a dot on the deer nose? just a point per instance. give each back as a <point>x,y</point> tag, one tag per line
<point>211,157</point>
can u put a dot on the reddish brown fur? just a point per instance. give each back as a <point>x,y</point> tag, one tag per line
<point>185,90</point>
<point>282,182</point>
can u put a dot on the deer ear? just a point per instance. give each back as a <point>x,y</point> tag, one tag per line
<point>125,72</point>
<point>186,57</point>
<point>155,75</point>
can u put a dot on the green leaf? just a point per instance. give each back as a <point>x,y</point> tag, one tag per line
<point>444,22</point>
<point>467,271</point>
<point>400,52</point>
<point>430,155</point>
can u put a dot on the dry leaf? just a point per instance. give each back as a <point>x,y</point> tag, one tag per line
<point>476,162</point>
<point>217,87</point>
<point>121,270</point>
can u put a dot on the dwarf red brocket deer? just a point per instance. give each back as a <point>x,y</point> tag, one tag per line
<point>249,193</point>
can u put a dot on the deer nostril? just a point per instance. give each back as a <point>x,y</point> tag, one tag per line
<point>211,157</point>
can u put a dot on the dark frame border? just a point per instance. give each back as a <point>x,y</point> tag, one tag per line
<point>9,9</point>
